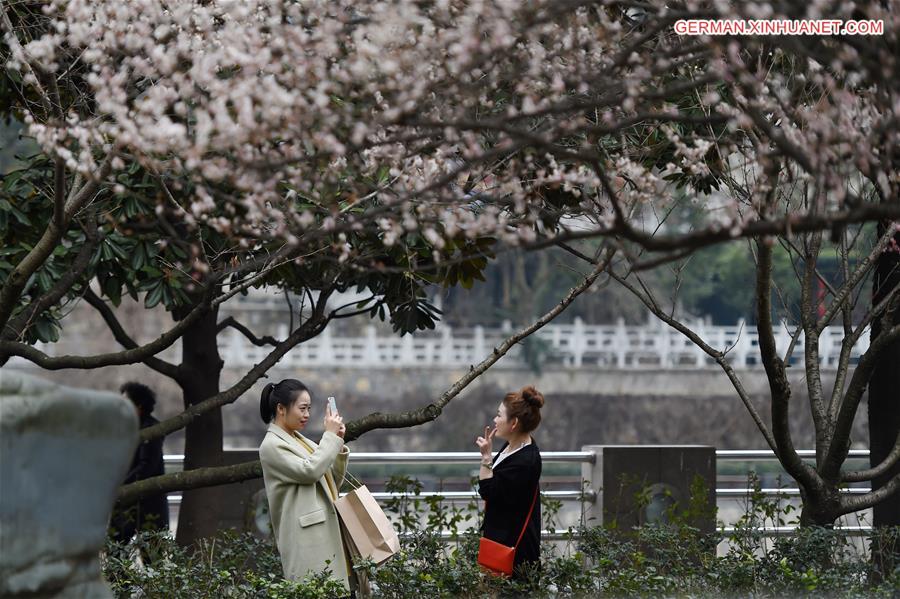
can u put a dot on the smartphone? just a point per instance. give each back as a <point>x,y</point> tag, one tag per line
<point>332,406</point>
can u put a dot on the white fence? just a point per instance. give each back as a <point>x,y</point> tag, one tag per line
<point>576,345</point>
<point>573,345</point>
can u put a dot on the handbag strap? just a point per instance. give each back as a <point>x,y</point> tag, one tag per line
<point>354,482</point>
<point>528,517</point>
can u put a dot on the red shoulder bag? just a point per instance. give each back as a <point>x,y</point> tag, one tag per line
<point>497,558</point>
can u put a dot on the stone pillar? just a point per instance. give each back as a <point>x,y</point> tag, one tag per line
<point>407,356</point>
<point>445,358</point>
<point>325,349</point>
<point>244,500</point>
<point>478,346</point>
<point>63,453</point>
<point>370,353</point>
<point>663,474</point>
<point>620,343</point>
<point>577,344</point>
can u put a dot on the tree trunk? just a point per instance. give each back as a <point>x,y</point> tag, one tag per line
<point>821,508</point>
<point>884,401</point>
<point>200,370</point>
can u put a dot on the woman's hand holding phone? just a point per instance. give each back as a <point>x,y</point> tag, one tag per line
<point>333,421</point>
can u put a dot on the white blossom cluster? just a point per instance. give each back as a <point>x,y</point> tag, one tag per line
<point>448,117</point>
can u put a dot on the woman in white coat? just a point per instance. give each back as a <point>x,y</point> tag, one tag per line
<point>302,479</point>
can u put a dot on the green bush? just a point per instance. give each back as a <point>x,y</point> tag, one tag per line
<point>230,565</point>
<point>671,560</point>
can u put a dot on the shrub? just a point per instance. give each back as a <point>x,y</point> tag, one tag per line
<point>672,560</point>
<point>230,565</point>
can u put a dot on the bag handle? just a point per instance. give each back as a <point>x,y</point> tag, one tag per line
<point>528,517</point>
<point>354,482</point>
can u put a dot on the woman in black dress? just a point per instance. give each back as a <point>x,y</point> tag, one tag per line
<point>509,481</point>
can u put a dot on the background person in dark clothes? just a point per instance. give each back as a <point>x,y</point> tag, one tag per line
<point>152,511</point>
<point>508,482</point>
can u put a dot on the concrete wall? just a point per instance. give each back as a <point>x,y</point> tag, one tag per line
<point>583,406</point>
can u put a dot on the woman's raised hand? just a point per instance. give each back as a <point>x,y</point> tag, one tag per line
<point>334,423</point>
<point>485,443</point>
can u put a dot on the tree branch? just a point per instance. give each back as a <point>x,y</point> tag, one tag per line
<point>811,346</point>
<point>188,479</point>
<point>717,355</point>
<point>10,293</point>
<point>859,272</point>
<point>861,502</point>
<point>59,192</point>
<point>430,412</point>
<point>778,383</point>
<point>855,389</point>
<point>159,365</point>
<point>246,332</point>
<point>13,41</point>
<point>788,225</point>
<point>870,473</point>
<point>17,326</point>
<point>128,356</point>
<point>837,389</point>
<point>309,329</point>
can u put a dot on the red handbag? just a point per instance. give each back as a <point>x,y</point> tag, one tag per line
<point>496,557</point>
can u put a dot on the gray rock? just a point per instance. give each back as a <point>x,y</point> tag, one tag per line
<point>63,453</point>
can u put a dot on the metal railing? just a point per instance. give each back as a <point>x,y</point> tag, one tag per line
<point>583,495</point>
<point>448,457</point>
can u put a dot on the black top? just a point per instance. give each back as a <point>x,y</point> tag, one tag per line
<point>153,509</point>
<point>508,496</point>
<point>148,457</point>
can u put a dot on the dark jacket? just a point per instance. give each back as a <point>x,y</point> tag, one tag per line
<point>152,511</point>
<point>148,457</point>
<point>508,496</point>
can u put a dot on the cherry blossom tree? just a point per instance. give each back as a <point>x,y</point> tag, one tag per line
<point>818,113</point>
<point>833,409</point>
<point>341,135</point>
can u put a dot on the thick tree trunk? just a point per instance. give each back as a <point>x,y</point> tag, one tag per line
<point>884,399</point>
<point>200,370</point>
<point>821,508</point>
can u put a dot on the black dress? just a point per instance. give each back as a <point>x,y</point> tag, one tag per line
<point>508,496</point>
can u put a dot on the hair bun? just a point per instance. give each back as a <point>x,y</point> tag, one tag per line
<point>532,397</point>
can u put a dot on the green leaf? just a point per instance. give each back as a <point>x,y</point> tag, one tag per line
<point>117,245</point>
<point>44,280</point>
<point>138,257</point>
<point>132,290</point>
<point>23,219</point>
<point>46,331</point>
<point>112,289</point>
<point>178,251</point>
<point>153,296</point>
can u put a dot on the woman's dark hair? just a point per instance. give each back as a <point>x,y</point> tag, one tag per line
<point>525,405</point>
<point>140,395</point>
<point>284,393</point>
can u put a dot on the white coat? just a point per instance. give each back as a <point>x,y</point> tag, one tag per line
<point>305,523</point>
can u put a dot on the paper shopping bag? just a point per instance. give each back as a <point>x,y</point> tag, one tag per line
<point>367,525</point>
